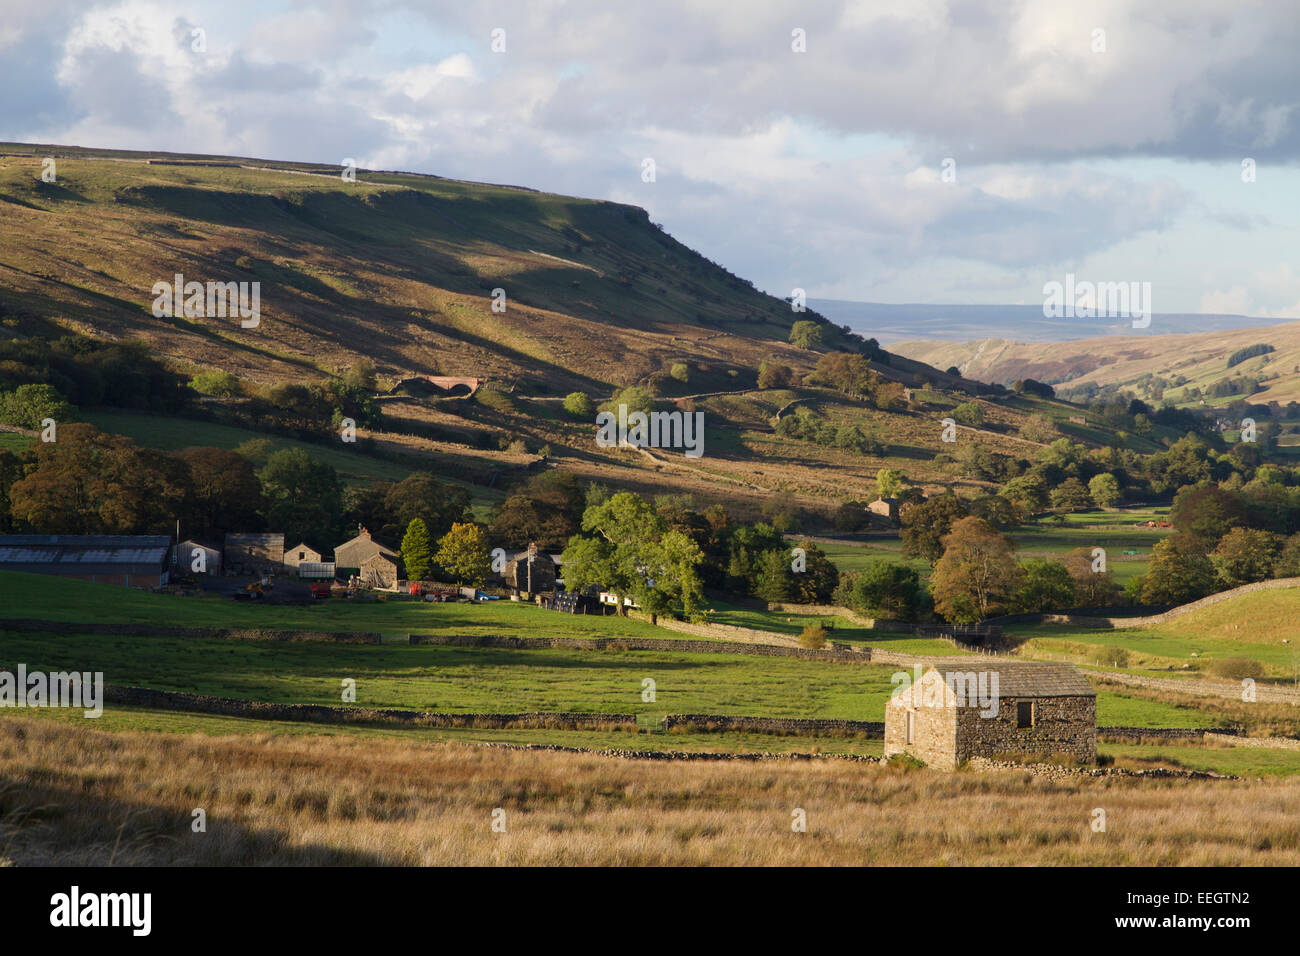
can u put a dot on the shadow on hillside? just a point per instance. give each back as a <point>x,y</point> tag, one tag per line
<point>60,824</point>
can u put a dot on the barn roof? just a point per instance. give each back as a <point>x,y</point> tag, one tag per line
<point>1026,680</point>
<point>83,550</point>
<point>243,537</point>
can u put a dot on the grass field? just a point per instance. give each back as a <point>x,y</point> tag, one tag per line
<point>1263,626</point>
<point>77,795</point>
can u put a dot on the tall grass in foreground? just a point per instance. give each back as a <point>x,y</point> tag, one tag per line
<point>75,795</point>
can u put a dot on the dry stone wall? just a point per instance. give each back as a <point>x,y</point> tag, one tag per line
<point>840,652</point>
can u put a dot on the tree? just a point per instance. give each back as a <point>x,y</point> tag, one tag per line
<point>1028,491</point>
<point>1001,513</point>
<point>546,509</point>
<point>1105,489</point>
<point>1245,555</point>
<point>629,550</point>
<point>218,384</point>
<point>1287,564</point>
<point>772,577</point>
<point>885,589</point>
<point>1205,515</point>
<point>304,497</point>
<point>1178,573</point>
<point>845,372</point>
<point>226,493</point>
<point>636,398</point>
<point>1039,428</point>
<point>423,496</point>
<point>969,413</point>
<point>89,482</point>
<point>889,482</point>
<point>361,375</point>
<point>816,582</point>
<point>1092,588</point>
<point>417,550</point>
<point>977,574</point>
<point>463,554</point>
<point>579,405</point>
<point>806,334</point>
<point>775,375</point>
<point>1047,586</point>
<point>925,524</point>
<point>28,406</point>
<point>1070,495</point>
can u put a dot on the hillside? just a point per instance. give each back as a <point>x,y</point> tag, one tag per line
<point>1153,367</point>
<point>400,269</point>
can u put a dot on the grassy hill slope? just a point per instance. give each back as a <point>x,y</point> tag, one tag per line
<point>1195,360</point>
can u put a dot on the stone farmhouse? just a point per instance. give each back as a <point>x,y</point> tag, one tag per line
<point>351,556</point>
<point>983,708</point>
<point>531,571</point>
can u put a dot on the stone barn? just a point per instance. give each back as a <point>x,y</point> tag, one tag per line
<point>299,554</point>
<point>980,708</point>
<point>380,571</point>
<point>353,554</point>
<point>531,571</point>
<point>253,553</point>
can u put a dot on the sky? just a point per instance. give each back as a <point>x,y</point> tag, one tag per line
<point>929,151</point>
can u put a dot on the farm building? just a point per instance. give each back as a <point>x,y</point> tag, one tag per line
<point>196,557</point>
<point>295,556</point>
<point>254,553</point>
<point>946,717</point>
<point>129,560</point>
<point>531,571</point>
<point>885,507</point>
<point>380,571</point>
<point>352,555</point>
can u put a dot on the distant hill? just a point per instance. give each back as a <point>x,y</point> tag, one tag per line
<point>1020,323</point>
<point>1185,369</point>
<point>401,269</point>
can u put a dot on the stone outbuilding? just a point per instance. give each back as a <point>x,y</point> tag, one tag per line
<point>253,553</point>
<point>380,571</point>
<point>982,708</point>
<point>299,554</point>
<point>353,554</point>
<point>531,571</point>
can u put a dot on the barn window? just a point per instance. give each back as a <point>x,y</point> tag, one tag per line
<point>911,727</point>
<point>1024,714</point>
<point>302,555</point>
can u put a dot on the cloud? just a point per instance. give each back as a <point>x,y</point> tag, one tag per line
<point>821,167</point>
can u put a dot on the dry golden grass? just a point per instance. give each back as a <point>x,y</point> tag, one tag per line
<point>74,795</point>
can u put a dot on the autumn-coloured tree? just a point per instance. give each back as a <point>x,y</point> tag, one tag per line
<point>463,554</point>
<point>88,482</point>
<point>977,574</point>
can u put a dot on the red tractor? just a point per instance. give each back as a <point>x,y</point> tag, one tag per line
<point>320,591</point>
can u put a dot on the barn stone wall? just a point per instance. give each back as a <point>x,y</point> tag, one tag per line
<point>1062,725</point>
<point>934,739</point>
